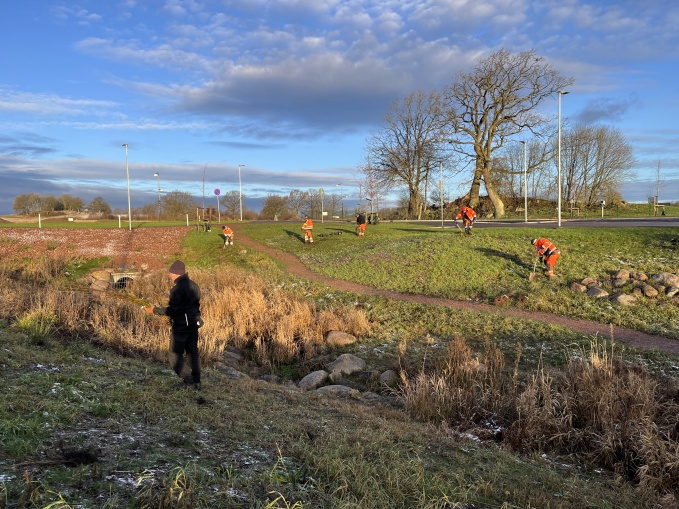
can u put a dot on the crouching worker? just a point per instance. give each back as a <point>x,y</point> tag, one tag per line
<point>468,218</point>
<point>360,224</point>
<point>183,308</point>
<point>227,235</point>
<point>308,226</point>
<point>548,254</point>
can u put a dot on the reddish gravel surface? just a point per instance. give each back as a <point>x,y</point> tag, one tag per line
<point>627,336</point>
<point>150,247</point>
<point>156,247</point>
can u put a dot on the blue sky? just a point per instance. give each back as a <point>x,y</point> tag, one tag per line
<point>291,89</point>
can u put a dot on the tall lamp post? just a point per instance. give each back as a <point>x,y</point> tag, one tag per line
<point>525,184</point>
<point>129,206</point>
<point>341,199</point>
<point>240,192</point>
<point>441,191</point>
<point>157,175</point>
<point>558,158</point>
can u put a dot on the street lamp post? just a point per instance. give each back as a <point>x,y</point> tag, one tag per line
<point>558,156</point>
<point>240,192</point>
<point>525,184</point>
<point>157,175</point>
<point>129,206</point>
<point>341,199</point>
<point>441,191</point>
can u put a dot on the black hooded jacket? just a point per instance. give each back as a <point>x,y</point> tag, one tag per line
<point>183,307</point>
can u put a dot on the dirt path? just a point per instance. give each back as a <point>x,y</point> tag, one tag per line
<point>629,337</point>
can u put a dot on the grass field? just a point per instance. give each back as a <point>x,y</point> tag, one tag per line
<point>247,443</point>
<point>493,262</point>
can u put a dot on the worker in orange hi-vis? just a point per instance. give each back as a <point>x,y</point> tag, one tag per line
<point>468,218</point>
<point>307,227</point>
<point>548,254</point>
<point>227,234</point>
<point>360,224</point>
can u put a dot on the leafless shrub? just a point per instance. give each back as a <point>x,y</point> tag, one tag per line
<point>461,389</point>
<point>598,407</point>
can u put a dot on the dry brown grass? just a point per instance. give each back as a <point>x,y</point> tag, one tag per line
<point>463,388</point>
<point>598,407</point>
<point>239,309</point>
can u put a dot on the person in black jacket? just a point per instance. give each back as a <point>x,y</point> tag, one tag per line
<point>183,308</point>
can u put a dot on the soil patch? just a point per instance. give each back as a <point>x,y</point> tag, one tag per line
<point>629,337</point>
<point>141,248</point>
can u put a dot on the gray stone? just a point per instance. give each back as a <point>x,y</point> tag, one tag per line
<point>649,291</point>
<point>337,339</point>
<point>597,293</point>
<point>339,391</point>
<point>232,373</point>
<point>577,287</point>
<point>389,378</point>
<point>672,291</point>
<point>665,278</point>
<point>639,276</point>
<point>234,353</point>
<point>620,282</point>
<point>346,364</point>
<point>313,380</point>
<point>621,274</point>
<point>624,299</point>
<point>589,281</point>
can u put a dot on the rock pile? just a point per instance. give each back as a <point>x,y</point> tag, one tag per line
<point>344,376</point>
<point>625,287</point>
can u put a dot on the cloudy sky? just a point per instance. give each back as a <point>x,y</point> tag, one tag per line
<point>291,89</point>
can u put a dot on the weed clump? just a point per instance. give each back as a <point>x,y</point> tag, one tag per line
<point>613,414</point>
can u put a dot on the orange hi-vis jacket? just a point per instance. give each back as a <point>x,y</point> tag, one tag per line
<point>307,227</point>
<point>467,214</point>
<point>548,251</point>
<point>544,247</point>
<point>227,231</point>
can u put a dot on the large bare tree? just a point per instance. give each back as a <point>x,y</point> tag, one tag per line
<point>408,147</point>
<point>497,100</point>
<point>296,200</point>
<point>275,207</point>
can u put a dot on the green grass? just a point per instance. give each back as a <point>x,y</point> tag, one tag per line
<point>247,444</point>
<point>250,444</point>
<point>415,258</point>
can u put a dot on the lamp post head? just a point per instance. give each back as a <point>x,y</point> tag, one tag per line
<point>563,92</point>
<point>125,145</point>
<point>156,174</point>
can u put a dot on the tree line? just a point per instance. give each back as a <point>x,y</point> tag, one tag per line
<point>477,126</point>
<point>176,205</point>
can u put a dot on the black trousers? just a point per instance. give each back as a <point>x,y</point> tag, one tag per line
<point>186,343</point>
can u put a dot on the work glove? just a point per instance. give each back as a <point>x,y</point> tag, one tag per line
<point>149,310</point>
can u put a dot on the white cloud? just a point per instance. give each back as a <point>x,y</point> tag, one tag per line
<point>50,104</point>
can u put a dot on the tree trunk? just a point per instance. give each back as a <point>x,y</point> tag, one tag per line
<point>414,203</point>
<point>498,204</point>
<point>475,189</point>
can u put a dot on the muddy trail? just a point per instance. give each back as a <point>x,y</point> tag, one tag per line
<point>629,337</point>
